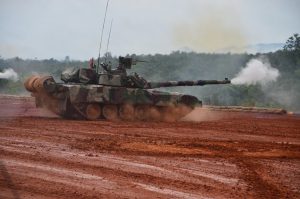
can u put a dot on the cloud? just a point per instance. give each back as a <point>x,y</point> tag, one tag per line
<point>45,29</point>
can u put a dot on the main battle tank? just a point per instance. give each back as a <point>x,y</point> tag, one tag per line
<point>112,94</point>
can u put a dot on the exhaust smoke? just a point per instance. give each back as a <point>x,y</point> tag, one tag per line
<point>9,74</point>
<point>257,71</point>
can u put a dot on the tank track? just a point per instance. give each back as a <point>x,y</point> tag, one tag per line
<point>126,112</point>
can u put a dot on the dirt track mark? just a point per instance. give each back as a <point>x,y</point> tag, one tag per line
<point>244,156</point>
<point>252,175</point>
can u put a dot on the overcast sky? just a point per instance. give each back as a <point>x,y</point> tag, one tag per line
<point>59,28</point>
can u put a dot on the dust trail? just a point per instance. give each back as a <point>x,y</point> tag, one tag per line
<point>218,29</point>
<point>9,74</point>
<point>257,71</point>
<point>203,114</point>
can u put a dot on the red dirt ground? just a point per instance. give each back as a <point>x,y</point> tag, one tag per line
<point>221,155</point>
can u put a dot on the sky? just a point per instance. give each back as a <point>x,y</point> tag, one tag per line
<point>45,29</point>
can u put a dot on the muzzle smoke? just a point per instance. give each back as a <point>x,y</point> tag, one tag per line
<point>256,72</point>
<point>9,74</point>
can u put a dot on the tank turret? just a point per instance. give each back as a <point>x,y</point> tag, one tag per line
<point>95,93</point>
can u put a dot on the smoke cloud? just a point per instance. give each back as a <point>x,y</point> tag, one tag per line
<point>257,71</point>
<point>9,74</point>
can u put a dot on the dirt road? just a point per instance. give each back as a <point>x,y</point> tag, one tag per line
<point>221,156</point>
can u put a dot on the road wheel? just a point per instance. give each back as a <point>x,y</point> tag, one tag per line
<point>140,113</point>
<point>168,114</point>
<point>126,112</point>
<point>153,113</point>
<point>93,111</point>
<point>110,112</point>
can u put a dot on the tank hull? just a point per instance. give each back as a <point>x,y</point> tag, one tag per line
<point>93,101</point>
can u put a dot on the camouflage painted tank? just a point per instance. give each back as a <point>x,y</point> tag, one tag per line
<point>112,94</point>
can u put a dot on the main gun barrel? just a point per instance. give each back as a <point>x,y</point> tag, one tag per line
<point>186,83</point>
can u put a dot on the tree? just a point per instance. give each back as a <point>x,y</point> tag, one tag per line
<point>293,43</point>
<point>67,59</point>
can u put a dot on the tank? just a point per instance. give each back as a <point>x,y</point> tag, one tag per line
<point>105,93</point>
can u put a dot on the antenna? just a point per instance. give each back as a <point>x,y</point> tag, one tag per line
<point>111,23</point>
<point>98,61</point>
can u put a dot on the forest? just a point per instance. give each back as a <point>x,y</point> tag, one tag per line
<point>178,65</point>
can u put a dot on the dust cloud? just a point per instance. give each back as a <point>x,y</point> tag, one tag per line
<point>202,114</point>
<point>215,31</point>
<point>257,71</point>
<point>9,74</point>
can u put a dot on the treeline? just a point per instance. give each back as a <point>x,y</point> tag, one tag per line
<point>189,66</point>
<point>285,92</point>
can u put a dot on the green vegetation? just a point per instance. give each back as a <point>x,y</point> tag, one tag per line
<point>190,65</point>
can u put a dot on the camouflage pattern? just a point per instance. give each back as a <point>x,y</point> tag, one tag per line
<point>86,92</point>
